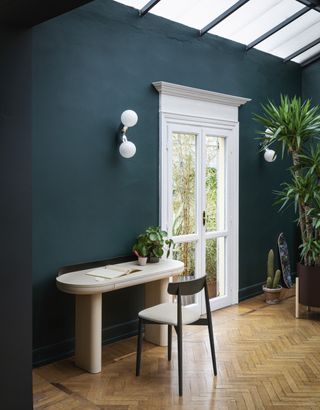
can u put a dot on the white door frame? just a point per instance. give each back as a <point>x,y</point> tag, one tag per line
<point>192,108</point>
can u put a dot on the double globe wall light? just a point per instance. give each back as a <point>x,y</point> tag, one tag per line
<point>129,118</point>
<point>269,154</point>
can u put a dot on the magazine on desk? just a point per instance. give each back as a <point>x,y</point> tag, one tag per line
<point>112,272</point>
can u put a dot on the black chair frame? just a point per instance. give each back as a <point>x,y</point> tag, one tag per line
<point>180,289</point>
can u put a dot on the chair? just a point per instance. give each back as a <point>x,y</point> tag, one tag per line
<point>174,314</point>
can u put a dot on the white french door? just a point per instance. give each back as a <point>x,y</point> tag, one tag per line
<point>199,204</point>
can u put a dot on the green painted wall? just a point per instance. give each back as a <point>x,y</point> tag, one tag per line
<point>311,82</point>
<point>88,203</point>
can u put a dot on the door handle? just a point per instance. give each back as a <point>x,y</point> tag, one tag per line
<point>204,218</point>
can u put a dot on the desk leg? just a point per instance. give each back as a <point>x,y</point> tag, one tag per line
<point>88,332</point>
<point>156,292</point>
<point>297,298</point>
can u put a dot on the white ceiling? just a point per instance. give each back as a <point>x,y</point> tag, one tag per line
<point>248,23</point>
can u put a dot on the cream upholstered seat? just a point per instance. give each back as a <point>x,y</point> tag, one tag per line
<point>167,313</point>
<point>175,315</point>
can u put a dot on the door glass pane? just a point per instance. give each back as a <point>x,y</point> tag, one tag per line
<point>183,183</point>
<point>215,266</point>
<point>215,206</point>
<point>185,252</point>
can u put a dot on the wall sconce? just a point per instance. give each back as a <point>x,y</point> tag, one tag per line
<point>269,154</point>
<point>127,148</point>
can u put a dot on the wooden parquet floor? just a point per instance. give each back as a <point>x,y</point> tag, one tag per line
<point>266,358</point>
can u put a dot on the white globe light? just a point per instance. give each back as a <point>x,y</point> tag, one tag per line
<point>268,133</point>
<point>129,118</point>
<point>127,149</point>
<point>270,155</point>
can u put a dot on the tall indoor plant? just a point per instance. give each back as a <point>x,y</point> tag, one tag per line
<point>294,126</point>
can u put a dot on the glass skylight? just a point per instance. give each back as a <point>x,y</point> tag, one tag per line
<point>196,14</point>
<point>255,18</point>
<point>307,54</point>
<point>248,23</point>
<point>294,36</point>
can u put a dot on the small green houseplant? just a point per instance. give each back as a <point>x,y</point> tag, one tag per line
<point>152,244</point>
<point>272,288</point>
<point>140,248</point>
<point>295,127</point>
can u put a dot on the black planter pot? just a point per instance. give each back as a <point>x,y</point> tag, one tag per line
<point>153,259</point>
<point>309,285</point>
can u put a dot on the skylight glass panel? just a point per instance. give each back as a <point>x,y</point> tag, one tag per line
<point>255,18</point>
<point>294,36</point>
<point>307,54</point>
<point>192,13</point>
<point>244,16</point>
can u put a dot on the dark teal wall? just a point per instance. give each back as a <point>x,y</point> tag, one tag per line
<point>15,214</point>
<point>311,82</point>
<point>88,66</point>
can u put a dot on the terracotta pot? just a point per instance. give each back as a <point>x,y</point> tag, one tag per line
<point>309,285</point>
<point>272,295</point>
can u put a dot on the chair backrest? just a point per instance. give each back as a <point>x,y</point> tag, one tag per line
<point>188,287</point>
<point>96,264</point>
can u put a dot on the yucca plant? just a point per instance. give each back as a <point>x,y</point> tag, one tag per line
<point>294,126</point>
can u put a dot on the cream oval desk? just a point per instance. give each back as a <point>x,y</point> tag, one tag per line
<point>88,317</point>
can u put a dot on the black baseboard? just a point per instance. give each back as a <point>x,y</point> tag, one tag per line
<point>120,331</point>
<point>250,291</point>
<point>61,350</point>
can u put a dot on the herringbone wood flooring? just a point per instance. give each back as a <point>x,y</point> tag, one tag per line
<point>266,358</point>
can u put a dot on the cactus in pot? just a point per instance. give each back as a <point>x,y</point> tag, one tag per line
<point>273,279</point>
<point>272,288</point>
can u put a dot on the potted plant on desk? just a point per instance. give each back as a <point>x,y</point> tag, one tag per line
<point>140,249</point>
<point>295,127</point>
<point>152,244</point>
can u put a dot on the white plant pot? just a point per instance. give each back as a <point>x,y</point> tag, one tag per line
<point>142,261</point>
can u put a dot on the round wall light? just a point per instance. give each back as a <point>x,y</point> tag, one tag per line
<point>129,118</point>
<point>127,149</point>
<point>270,155</point>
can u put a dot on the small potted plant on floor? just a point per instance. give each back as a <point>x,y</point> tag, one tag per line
<point>272,288</point>
<point>152,244</point>
<point>295,127</point>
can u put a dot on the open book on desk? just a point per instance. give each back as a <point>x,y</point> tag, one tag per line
<point>112,272</point>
